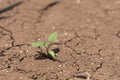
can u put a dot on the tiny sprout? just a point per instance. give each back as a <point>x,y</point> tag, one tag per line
<point>45,45</point>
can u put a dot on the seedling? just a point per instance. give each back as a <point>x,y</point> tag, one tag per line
<point>45,45</point>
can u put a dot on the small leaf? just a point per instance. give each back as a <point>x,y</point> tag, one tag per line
<point>52,54</point>
<point>38,44</point>
<point>52,37</point>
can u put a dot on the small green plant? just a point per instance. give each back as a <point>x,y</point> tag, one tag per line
<point>45,45</point>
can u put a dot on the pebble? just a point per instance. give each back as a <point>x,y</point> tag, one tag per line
<point>27,50</point>
<point>84,75</point>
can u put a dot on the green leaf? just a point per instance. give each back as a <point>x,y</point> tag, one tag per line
<point>52,54</point>
<point>52,37</point>
<point>38,44</point>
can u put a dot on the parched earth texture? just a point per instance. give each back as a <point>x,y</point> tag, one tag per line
<point>89,33</point>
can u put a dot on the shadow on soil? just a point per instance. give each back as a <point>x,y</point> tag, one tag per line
<point>42,56</point>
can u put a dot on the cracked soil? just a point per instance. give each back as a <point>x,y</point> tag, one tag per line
<point>89,31</point>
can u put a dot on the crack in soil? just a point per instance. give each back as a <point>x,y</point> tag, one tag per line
<point>46,8</point>
<point>33,74</point>
<point>11,7</point>
<point>19,45</point>
<point>21,70</point>
<point>50,5</point>
<point>4,17</point>
<point>65,43</point>
<point>10,60</point>
<point>12,43</point>
<point>30,74</point>
<point>98,53</point>
<point>11,37</point>
<point>99,67</point>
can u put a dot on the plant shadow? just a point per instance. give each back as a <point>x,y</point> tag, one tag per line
<point>56,50</point>
<point>42,56</point>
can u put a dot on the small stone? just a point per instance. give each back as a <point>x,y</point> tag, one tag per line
<point>21,51</point>
<point>27,50</point>
<point>59,65</point>
<point>6,44</point>
<point>21,77</point>
<point>61,71</point>
<point>39,39</point>
<point>84,75</point>
<point>66,33</point>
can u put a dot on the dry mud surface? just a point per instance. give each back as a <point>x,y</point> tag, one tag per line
<point>89,31</point>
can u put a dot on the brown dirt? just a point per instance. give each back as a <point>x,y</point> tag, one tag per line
<point>89,31</point>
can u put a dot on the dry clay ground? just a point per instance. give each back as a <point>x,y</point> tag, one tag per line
<point>89,31</point>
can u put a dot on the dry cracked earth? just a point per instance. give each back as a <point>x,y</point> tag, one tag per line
<point>89,33</point>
